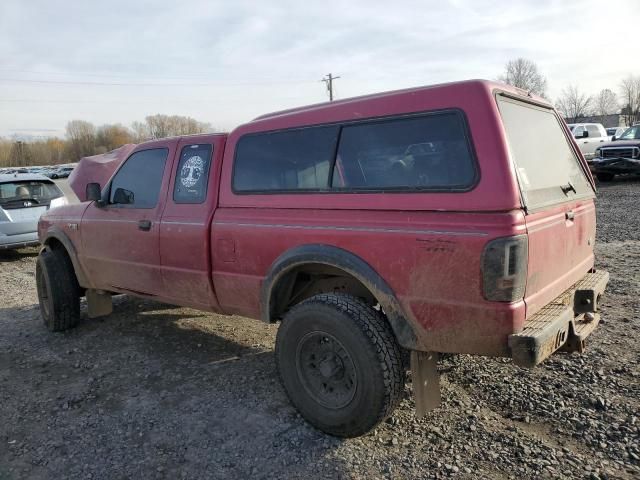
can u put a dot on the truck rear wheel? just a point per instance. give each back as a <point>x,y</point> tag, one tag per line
<point>58,290</point>
<point>340,364</point>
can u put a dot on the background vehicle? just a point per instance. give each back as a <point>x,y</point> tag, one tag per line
<point>620,157</point>
<point>59,172</point>
<point>588,136</point>
<point>23,198</point>
<point>615,132</point>
<point>370,227</point>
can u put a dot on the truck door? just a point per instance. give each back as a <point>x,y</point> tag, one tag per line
<point>120,239</point>
<point>185,225</point>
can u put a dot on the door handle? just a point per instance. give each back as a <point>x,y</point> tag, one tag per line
<point>144,225</point>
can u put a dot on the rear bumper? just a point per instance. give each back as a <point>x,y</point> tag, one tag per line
<point>564,323</point>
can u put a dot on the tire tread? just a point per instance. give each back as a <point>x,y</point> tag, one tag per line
<point>375,327</point>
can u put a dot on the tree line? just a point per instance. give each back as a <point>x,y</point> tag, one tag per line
<point>573,103</point>
<point>83,138</point>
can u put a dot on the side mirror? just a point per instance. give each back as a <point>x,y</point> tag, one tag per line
<point>123,196</point>
<point>93,192</point>
<point>613,139</point>
<point>585,134</point>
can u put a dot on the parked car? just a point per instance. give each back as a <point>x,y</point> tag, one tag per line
<point>615,132</point>
<point>64,172</point>
<point>620,157</point>
<point>59,172</point>
<point>370,227</point>
<point>23,198</point>
<point>588,136</point>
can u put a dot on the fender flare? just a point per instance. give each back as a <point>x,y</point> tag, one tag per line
<point>56,233</point>
<point>350,264</point>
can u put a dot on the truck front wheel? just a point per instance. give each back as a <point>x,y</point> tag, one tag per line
<point>58,290</point>
<point>340,364</point>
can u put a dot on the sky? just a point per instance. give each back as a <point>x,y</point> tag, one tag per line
<point>226,62</point>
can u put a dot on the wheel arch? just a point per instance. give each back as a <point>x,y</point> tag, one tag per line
<point>55,238</point>
<point>328,262</point>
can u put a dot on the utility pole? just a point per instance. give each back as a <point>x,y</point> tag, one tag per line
<point>328,80</point>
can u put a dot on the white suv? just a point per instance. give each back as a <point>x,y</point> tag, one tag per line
<point>588,136</point>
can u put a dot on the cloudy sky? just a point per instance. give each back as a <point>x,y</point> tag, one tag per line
<point>226,62</point>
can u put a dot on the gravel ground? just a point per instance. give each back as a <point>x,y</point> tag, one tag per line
<point>154,391</point>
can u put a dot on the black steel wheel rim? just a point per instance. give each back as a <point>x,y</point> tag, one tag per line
<point>326,370</point>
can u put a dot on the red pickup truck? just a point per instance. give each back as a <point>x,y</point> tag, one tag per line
<point>424,220</point>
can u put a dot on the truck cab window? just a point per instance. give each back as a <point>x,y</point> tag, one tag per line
<point>137,183</point>
<point>192,174</point>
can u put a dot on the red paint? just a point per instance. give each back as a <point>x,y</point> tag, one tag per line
<point>427,246</point>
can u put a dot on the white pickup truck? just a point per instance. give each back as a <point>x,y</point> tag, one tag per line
<point>588,136</point>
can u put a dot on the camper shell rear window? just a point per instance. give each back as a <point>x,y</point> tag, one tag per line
<point>548,170</point>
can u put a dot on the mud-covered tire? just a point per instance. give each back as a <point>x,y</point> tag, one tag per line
<point>58,290</point>
<point>605,177</point>
<point>340,364</point>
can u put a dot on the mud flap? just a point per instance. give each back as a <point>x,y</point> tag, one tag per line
<point>99,303</point>
<point>426,381</point>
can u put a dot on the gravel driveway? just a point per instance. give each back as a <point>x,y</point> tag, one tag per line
<point>154,391</point>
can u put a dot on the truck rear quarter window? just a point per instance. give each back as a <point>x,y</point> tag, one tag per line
<point>192,174</point>
<point>285,160</point>
<point>141,174</point>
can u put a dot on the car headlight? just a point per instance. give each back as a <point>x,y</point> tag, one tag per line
<point>58,202</point>
<point>597,152</point>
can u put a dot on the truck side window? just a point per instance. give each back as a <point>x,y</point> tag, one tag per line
<point>140,175</point>
<point>430,152</point>
<point>290,160</point>
<point>192,175</point>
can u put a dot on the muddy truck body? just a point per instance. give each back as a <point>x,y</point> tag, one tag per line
<point>376,229</point>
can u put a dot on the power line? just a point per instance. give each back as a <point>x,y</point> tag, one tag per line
<point>328,81</point>
<point>213,101</point>
<point>131,84</point>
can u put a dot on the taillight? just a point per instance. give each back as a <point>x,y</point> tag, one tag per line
<point>504,268</point>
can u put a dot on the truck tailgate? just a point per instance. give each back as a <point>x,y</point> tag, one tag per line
<point>560,250</point>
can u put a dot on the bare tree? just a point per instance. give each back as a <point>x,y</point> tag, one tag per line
<point>524,74</point>
<point>113,136</point>
<point>161,126</point>
<point>81,136</point>
<point>630,90</point>
<point>573,104</point>
<point>605,103</point>
<point>140,132</point>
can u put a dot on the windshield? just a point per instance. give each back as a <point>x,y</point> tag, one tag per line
<point>549,172</point>
<point>27,193</point>
<point>632,133</point>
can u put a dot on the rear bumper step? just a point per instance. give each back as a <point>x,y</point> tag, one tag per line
<point>565,322</point>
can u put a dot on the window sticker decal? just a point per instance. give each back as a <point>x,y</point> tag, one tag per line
<point>192,171</point>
